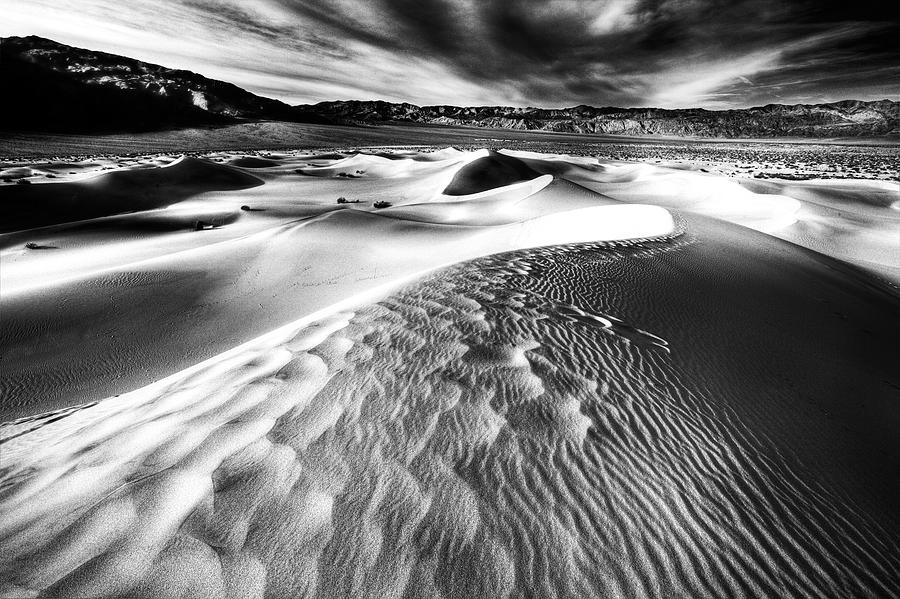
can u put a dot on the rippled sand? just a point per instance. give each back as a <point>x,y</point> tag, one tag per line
<point>534,423</point>
<point>703,411</point>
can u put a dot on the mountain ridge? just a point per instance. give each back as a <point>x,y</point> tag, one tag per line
<point>61,88</point>
<point>850,118</point>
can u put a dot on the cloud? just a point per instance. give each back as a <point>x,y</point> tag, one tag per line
<point>713,53</point>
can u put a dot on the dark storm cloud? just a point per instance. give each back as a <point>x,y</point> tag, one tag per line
<point>636,51</point>
<point>713,53</point>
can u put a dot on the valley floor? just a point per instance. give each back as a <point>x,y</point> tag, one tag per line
<point>856,158</point>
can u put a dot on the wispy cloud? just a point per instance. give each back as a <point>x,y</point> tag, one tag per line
<point>712,53</point>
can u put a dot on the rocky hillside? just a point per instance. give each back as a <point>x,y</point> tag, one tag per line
<point>48,86</point>
<point>838,119</point>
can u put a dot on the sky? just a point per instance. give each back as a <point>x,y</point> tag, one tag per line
<point>551,53</point>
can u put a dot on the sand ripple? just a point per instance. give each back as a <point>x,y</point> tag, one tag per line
<point>500,429</point>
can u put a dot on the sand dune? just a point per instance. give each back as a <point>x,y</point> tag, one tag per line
<point>856,221</point>
<point>252,162</point>
<point>850,220</point>
<point>126,190</point>
<point>371,165</point>
<point>492,171</point>
<point>296,251</point>
<point>709,195</point>
<point>529,375</point>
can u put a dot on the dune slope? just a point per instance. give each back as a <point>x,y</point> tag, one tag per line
<point>492,171</point>
<point>269,254</point>
<point>131,190</point>
<point>560,431</point>
<point>547,386</point>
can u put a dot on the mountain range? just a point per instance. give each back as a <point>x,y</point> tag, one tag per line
<point>53,87</point>
<point>838,119</point>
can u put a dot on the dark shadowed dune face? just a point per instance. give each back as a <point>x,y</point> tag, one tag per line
<point>332,156</point>
<point>130,190</point>
<point>150,222</point>
<point>495,170</point>
<point>253,162</point>
<point>192,174</point>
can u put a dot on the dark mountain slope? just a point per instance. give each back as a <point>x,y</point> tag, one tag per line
<point>53,87</point>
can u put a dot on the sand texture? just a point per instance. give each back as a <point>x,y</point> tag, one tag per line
<point>527,375</point>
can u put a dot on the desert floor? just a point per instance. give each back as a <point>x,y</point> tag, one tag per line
<point>655,369</point>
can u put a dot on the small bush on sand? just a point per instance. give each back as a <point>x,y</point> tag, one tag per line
<point>31,245</point>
